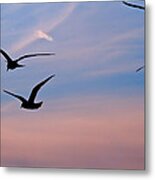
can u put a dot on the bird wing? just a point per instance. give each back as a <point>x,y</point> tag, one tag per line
<point>139,68</point>
<point>37,87</point>
<point>7,57</point>
<point>16,96</point>
<point>33,55</point>
<point>133,5</point>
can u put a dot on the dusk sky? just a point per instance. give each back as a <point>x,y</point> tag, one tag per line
<point>93,110</point>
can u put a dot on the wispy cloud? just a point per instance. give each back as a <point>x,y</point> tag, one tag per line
<point>43,35</point>
<point>113,70</point>
<point>42,29</point>
<point>117,48</point>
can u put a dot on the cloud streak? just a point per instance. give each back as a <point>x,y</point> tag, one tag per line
<point>42,35</point>
<point>35,32</point>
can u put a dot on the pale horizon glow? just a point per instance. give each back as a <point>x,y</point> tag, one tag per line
<point>84,142</point>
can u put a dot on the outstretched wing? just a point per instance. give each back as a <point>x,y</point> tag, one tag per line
<point>133,5</point>
<point>142,67</point>
<point>37,87</point>
<point>34,55</point>
<point>7,57</point>
<point>16,96</point>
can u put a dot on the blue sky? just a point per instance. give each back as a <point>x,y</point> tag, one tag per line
<point>98,46</point>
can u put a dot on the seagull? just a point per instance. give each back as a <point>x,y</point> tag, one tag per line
<point>30,104</point>
<point>142,67</point>
<point>13,64</point>
<point>133,5</point>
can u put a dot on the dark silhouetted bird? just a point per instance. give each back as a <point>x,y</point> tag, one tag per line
<point>30,104</point>
<point>133,5</point>
<point>142,67</point>
<point>13,64</point>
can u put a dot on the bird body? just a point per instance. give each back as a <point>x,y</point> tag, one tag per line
<point>30,104</point>
<point>13,64</point>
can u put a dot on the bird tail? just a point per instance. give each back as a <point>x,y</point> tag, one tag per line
<point>20,65</point>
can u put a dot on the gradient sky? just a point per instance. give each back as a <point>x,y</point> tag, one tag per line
<point>93,111</point>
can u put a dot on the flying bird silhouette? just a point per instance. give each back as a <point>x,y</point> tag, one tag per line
<point>13,64</point>
<point>142,67</point>
<point>133,5</point>
<point>30,104</point>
